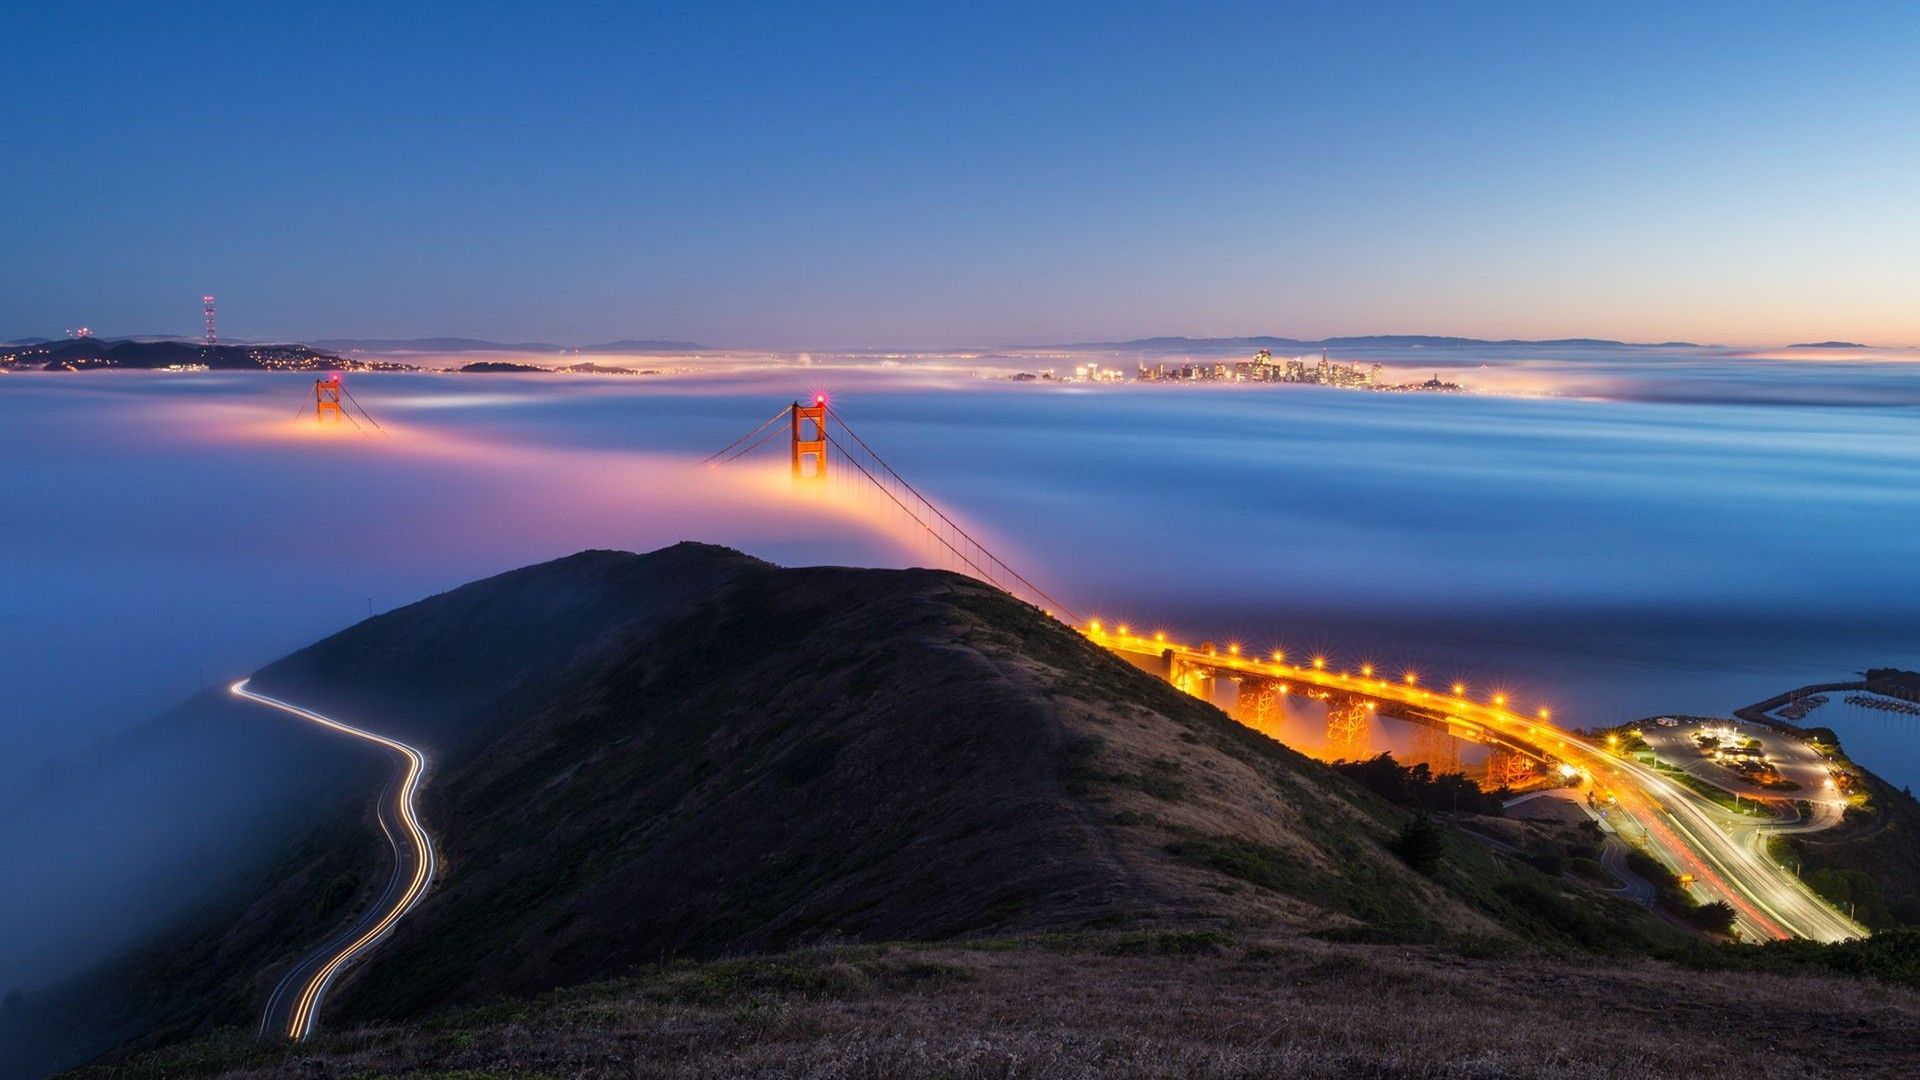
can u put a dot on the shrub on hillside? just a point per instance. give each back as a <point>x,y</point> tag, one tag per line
<point>1419,787</point>
<point>1420,845</point>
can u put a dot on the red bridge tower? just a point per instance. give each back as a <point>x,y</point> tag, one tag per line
<point>326,399</point>
<point>810,439</point>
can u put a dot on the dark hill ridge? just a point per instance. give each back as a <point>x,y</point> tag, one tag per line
<point>708,754</point>
<point>693,753</point>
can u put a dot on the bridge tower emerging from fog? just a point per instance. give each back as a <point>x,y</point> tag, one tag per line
<point>326,399</point>
<point>810,439</point>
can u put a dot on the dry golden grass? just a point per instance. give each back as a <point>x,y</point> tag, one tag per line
<point>1184,1007</point>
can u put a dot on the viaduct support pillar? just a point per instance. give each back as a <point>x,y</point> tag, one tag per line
<point>1507,768</point>
<point>1349,728</point>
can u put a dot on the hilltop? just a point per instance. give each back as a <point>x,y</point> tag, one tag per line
<point>694,781</point>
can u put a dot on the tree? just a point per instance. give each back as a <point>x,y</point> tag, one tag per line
<point>1420,845</point>
<point>1715,918</point>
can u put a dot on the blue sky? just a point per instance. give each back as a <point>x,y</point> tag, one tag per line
<point>820,175</point>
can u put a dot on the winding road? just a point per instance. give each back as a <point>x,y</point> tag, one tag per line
<point>294,1006</point>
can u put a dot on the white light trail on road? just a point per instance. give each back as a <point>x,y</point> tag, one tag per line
<point>306,1010</point>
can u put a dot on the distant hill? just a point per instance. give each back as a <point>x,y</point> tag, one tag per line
<point>1830,345</point>
<point>498,367</point>
<point>87,354</point>
<point>1374,341</point>
<point>462,345</point>
<point>588,367</point>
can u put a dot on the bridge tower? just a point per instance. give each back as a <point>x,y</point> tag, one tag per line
<point>1349,727</point>
<point>810,439</point>
<point>326,399</point>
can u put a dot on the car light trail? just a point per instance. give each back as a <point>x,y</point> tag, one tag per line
<point>310,978</point>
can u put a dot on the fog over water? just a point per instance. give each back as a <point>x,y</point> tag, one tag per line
<point>1677,531</point>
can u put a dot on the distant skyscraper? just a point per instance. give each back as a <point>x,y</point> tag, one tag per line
<point>206,305</point>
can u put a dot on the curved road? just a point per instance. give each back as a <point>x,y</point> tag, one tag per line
<point>294,1006</point>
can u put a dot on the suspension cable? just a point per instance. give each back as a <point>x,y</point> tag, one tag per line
<point>363,410</point>
<point>776,418</point>
<point>931,505</point>
<point>995,567</point>
<point>742,452</point>
<point>930,530</point>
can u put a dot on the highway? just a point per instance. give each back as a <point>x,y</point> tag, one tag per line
<point>1724,853</point>
<point>293,1008</point>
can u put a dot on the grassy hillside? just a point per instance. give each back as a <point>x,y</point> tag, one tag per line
<point>259,829</point>
<point>692,754</point>
<point>824,754</point>
<point>1151,1004</point>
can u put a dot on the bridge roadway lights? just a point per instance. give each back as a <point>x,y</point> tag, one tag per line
<point>1350,709</point>
<point>810,440</point>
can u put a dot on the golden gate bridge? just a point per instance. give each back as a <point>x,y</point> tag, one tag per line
<point>813,429</point>
<point>821,449</point>
<point>333,402</point>
<point>818,448</point>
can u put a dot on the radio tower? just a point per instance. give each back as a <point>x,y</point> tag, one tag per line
<point>206,305</point>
